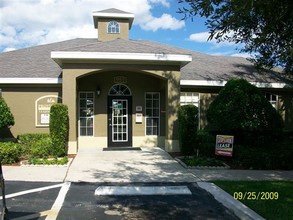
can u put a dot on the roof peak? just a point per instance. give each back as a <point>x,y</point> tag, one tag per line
<point>112,10</point>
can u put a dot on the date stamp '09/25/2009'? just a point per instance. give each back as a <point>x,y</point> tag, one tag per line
<point>256,195</point>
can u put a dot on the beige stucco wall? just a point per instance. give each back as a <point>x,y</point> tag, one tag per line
<point>141,78</point>
<point>21,100</point>
<point>103,34</point>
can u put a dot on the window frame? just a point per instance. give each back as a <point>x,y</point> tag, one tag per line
<point>110,27</point>
<point>152,109</point>
<point>187,94</point>
<point>79,114</point>
<point>269,97</point>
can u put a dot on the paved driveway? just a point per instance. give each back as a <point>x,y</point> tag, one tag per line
<point>147,165</point>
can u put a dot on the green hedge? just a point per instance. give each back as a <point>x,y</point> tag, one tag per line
<point>205,143</point>
<point>59,129</point>
<point>28,141</point>
<point>42,148</point>
<point>10,152</point>
<point>188,124</point>
<point>269,157</point>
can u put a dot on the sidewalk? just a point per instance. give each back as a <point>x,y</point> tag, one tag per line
<point>35,173</point>
<point>148,165</point>
<point>136,166</point>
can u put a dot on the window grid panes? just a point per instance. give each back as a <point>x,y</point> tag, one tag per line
<point>189,98</point>
<point>152,113</point>
<point>86,113</point>
<point>119,120</point>
<point>113,27</point>
<point>273,99</point>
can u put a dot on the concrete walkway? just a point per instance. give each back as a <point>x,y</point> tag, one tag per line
<point>147,165</point>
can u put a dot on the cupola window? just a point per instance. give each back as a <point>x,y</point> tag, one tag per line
<point>113,27</point>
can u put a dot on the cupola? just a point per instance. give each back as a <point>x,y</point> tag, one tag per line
<point>112,24</point>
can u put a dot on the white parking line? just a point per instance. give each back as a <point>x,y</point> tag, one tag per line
<point>31,191</point>
<point>142,190</point>
<point>53,213</point>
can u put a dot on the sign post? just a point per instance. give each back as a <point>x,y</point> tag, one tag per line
<point>4,209</point>
<point>224,145</point>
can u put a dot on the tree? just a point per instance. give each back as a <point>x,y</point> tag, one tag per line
<point>265,27</point>
<point>6,117</point>
<point>240,109</point>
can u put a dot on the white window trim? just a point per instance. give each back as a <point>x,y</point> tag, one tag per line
<point>92,116</point>
<point>115,27</point>
<point>159,117</point>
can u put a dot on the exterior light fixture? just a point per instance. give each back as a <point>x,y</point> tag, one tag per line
<point>98,91</point>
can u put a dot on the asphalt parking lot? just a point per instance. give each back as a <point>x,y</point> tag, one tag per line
<point>34,200</point>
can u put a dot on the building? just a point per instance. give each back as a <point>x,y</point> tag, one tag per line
<point>122,92</point>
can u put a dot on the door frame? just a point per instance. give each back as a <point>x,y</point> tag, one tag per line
<point>109,123</point>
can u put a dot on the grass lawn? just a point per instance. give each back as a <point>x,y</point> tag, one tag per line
<point>270,199</point>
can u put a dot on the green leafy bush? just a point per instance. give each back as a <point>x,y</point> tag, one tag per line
<point>41,148</point>
<point>265,158</point>
<point>188,124</point>
<point>6,117</point>
<point>28,141</point>
<point>10,152</point>
<point>59,129</point>
<point>205,143</point>
<point>45,161</point>
<point>241,110</point>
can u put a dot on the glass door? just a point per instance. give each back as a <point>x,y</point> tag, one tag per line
<point>119,121</point>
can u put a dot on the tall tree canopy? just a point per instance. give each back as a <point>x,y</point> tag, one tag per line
<point>265,27</point>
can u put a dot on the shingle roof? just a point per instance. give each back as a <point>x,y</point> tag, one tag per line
<point>36,61</point>
<point>112,10</point>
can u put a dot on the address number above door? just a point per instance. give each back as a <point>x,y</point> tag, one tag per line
<point>120,79</point>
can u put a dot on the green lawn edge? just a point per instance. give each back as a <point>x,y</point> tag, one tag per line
<point>270,199</point>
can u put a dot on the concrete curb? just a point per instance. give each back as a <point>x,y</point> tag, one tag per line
<point>178,159</point>
<point>239,209</point>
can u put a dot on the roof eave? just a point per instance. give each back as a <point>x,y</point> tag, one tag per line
<point>176,59</point>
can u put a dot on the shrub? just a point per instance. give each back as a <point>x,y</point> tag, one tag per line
<point>41,148</point>
<point>205,143</point>
<point>28,141</point>
<point>241,110</point>
<point>6,117</point>
<point>188,124</point>
<point>59,129</point>
<point>266,158</point>
<point>10,152</point>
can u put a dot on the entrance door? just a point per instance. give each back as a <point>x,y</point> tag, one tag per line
<point>119,121</point>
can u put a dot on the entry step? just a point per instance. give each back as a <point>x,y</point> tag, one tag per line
<point>141,190</point>
<point>121,148</point>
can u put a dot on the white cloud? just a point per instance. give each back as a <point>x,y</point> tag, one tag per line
<point>244,55</point>
<point>166,21</point>
<point>44,21</point>
<point>202,37</point>
<point>7,49</point>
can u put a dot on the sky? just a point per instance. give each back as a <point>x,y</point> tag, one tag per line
<point>26,23</point>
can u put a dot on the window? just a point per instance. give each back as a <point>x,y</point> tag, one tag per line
<point>152,113</point>
<point>113,27</point>
<point>272,99</point>
<point>189,98</point>
<point>119,89</point>
<point>86,113</point>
